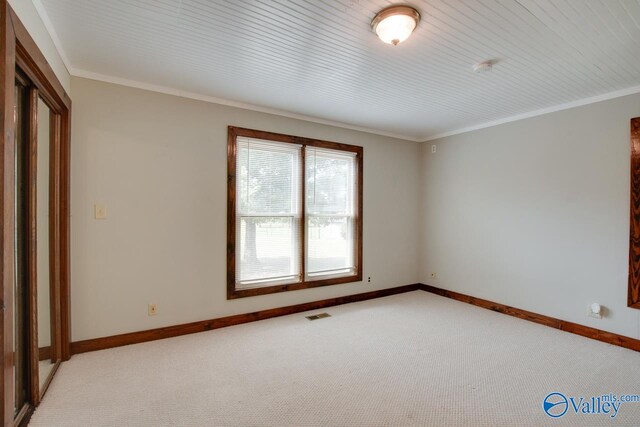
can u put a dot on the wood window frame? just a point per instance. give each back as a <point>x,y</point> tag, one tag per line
<point>233,134</point>
<point>633,298</point>
<point>19,50</point>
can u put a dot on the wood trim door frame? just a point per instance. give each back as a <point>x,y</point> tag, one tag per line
<point>633,299</point>
<point>32,243</point>
<point>18,50</point>
<point>7,73</point>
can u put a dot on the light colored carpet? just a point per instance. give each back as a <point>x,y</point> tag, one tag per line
<point>413,359</point>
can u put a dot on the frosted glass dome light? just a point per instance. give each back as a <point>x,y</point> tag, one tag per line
<point>395,24</point>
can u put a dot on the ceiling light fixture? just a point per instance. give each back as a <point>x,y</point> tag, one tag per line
<point>395,24</point>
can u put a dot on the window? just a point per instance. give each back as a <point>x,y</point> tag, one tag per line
<point>294,213</point>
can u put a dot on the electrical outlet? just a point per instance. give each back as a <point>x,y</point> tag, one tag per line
<point>433,149</point>
<point>153,310</point>
<point>596,310</point>
<point>434,275</point>
<point>369,280</point>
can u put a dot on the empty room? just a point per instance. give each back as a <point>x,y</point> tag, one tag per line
<point>288,213</point>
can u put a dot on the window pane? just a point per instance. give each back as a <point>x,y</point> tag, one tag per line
<point>268,250</point>
<point>330,182</point>
<point>296,213</point>
<point>330,245</point>
<point>267,213</point>
<point>330,206</point>
<point>268,177</point>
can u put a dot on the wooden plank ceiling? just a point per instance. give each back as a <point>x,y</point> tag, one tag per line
<point>319,58</point>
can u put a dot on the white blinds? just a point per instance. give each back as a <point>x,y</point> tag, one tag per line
<point>268,212</point>
<point>330,212</point>
<point>269,177</point>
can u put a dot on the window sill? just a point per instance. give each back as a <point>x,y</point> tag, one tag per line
<point>233,293</point>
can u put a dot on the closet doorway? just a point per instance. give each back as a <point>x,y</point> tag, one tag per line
<point>35,226</point>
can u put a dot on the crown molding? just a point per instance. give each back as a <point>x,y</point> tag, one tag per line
<point>222,101</point>
<point>246,106</point>
<point>566,106</point>
<point>76,72</point>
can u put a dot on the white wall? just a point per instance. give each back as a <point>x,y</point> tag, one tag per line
<point>158,163</point>
<point>532,214</point>
<point>535,213</point>
<point>28,15</point>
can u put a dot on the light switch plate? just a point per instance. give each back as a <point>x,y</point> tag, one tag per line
<point>100,211</point>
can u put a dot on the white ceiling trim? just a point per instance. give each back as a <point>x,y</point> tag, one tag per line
<point>567,106</point>
<point>52,33</point>
<point>206,98</point>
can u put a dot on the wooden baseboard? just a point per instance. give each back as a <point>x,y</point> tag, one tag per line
<point>44,353</point>
<point>574,328</point>
<point>207,325</point>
